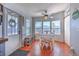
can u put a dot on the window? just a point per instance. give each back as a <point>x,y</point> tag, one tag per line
<point>28,27</point>
<point>55,27</point>
<point>46,27</point>
<point>51,27</point>
<point>12,27</point>
<point>38,27</point>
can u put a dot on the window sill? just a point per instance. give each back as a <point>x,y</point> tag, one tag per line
<point>12,35</point>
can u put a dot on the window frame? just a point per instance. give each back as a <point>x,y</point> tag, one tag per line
<point>17,24</point>
<point>29,20</point>
<point>50,27</point>
<point>55,27</point>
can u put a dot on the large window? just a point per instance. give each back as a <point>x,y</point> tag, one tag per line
<point>51,27</point>
<point>12,27</point>
<point>28,27</point>
<point>55,27</point>
<point>38,27</point>
<point>46,27</point>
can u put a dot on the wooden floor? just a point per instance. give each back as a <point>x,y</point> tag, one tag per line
<point>59,49</point>
<point>36,49</point>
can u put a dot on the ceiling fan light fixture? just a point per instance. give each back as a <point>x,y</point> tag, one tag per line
<point>45,16</point>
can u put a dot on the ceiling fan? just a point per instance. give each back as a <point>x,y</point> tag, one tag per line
<point>45,15</point>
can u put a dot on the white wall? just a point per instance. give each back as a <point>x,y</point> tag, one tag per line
<point>72,29</point>
<point>13,41</point>
<point>74,26</point>
<point>12,44</point>
<point>75,35</point>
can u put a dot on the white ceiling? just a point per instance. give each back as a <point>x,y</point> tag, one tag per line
<point>35,9</point>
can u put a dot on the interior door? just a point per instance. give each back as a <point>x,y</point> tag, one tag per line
<point>67,29</point>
